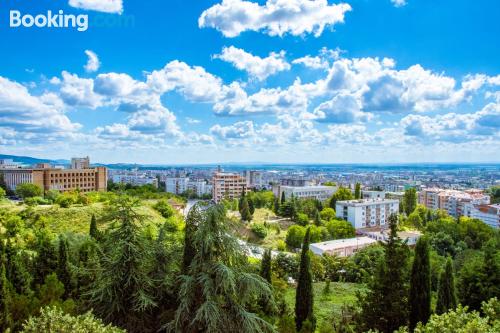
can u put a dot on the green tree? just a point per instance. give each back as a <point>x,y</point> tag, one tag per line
<point>317,218</point>
<point>357,191</point>
<point>295,235</point>
<point>327,214</point>
<point>265,266</point>
<point>276,206</point>
<point>304,301</point>
<point>54,320</point>
<point>5,317</point>
<point>123,291</point>
<point>251,206</point>
<point>3,193</point>
<point>215,294</point>
<point>93,231</point>
<point>420,285</point>
<point>340,229</point>
<point>193,219</point>
<point>28,190</point>
<point>46,259</point>
<point>283,198</point>
<point>446,298</point>
<point>341,194</point>
<point>246,215</point>
<point>63,272</point>
<point>384,306</point>
<point>410,201</point>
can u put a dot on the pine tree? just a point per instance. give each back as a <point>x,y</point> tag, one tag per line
<point>410,201</point>
<point>420,285</point>
<point>317,218</point>
<point>245,210</point>
<point>357,191</point>
<point>193,219</point>
<point>385,304</point>
<point>447,298</point>
<point>304,293</point>
<point>5,317</point>
<point>283,198</point>
<point>63,273</point>
<point>93,231</point>
<point>251,206</point>
<point>265,266</point>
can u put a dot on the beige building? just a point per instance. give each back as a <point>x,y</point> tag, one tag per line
<point>452,201</point>
<point>85,180</point>
<point>80,163</point>
<point>228,186</point>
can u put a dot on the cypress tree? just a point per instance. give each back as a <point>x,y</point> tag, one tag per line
<point>265,266</point>
<point>283,198</point>
<point>93,231</point>
<point>304,294</point>
<point>317,218</point>
<point>5,318</point>
<point>63,273</point>
<point>276,206</point>
<point>357,191</point>
<point>420,285</point>
<point>245,210</point>
<point>46,260</point>
<point>447,298</point>
<point>251,206</point>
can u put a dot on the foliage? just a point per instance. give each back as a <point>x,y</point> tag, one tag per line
<point>410,201</point>
<point>357,191</point>
<point>295,236</point>
<point>420,285</point>
<point>341,194</point>
<point>446,298</point>
<point>302,219</point>
<point>164,208</point>
<point>259,229</point>
<point>304,302</point>
<point>339,229</point>
<point>327,214</point>
<point>28,190</point>
<point>54,320</point>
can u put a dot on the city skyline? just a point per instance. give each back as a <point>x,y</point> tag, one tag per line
<point>272,81</point>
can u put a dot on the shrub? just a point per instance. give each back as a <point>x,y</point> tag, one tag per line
<point>302,219</point>
<point>259,230</point>
<point>28,190</point>
<point>281,245</point>
<point>295,236</point>
<point>164,208</point>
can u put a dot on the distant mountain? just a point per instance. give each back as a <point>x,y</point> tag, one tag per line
<point>32,160</point>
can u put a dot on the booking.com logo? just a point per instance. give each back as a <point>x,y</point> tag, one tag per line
<point>59,19</point>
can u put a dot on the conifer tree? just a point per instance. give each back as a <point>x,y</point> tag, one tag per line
<point>251,206</point>
<point>283,198</point>
<point>385,304</point>
<point>447,298</point>
<point>265,266</point>
<point>357,191</point>
<point>5,317</point>
<point>420,285</point>
<point>304,293</point>
<point>46,260</point>
<point>193,219</point>
<point>317,218</point>
<point>276,206</point>
<point>63,273</point>
<point>410,201</point>
<point>245,210</point>
<point>93,231</point>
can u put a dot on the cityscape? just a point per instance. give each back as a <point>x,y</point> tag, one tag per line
<point>250,166</point>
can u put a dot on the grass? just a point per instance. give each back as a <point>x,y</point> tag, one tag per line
<point>327,305</point>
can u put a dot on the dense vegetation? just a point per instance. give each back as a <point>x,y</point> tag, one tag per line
<point>127,260</point>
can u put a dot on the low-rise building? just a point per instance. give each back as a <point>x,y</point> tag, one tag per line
<point>366,213</point>
<point>382,235</point>
<point>341,247</point>
<point>320,193</point>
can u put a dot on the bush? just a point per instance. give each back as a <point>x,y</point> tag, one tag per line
<point>28,190</point>
<point>65,201</point>
<point>340,229</point>
<point>295,236</point>
<point>164,208</point>
<point>281,245</point>
<point>302,219</point>
<point>259,230</point>
<point>327,214</point>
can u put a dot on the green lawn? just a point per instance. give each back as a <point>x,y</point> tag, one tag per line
<point>326,305</point>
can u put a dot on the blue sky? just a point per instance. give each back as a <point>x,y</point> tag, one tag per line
<point>244,81</point>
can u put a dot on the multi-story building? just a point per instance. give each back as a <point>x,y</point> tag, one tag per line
<point>366,213</point>
<point>254,179</point>
<point>489,214</point>
<point>452,201</point>
<point>135,179</point>
<point>176,185</point>
<point>319,192</point>
<point>200,187</point>
<point>373,194</point>
<point>84,180</point>
<point>9,164</point>
<point>80,163</point>
<point>228,185</point>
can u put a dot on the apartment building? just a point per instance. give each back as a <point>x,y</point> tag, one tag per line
<point>366,213</point>
<point>489,214</point>
<point>200,187</point>
<point>80,163</point>
<point>452,201</point>
<point>135,179</point>
<point>254,179</point>
<point>319,192</point>
<point>176,185</point>
<point>373,194</point>
<point>85,180</point>
<point>228,185</point>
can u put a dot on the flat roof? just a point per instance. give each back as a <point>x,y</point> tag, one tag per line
<point>361,202</point>
<point>342,243</point>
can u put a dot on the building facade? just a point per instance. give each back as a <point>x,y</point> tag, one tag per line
<point>80,163</point>
<point>454,202</point>
<point>320,193</point>
<point>137,180</point>
<point>341,247</point>
<point>366,213</point>
<point>489,214</point>
<point>176,185</point>
<point>227,186</point>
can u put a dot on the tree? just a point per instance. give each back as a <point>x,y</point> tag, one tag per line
<point>357,191</point>
<point>341,194</point>
<point>3,193</point>
<point>340,229</point>
<point>385,304</point>
<point>283,198</point>
<point>93,231</point>
<point>327,214</point>
<point>28,190</point>
<point>216,292</point>
<point>5,318</point>
<point>54,320</point>
<point>246,215</point>
<point>317,218</point>
<point>304,294</point>
<point>295,235</point>
<point>410,201</point>
<point>46,259</point>
<point>276,206</point>
<point>265,266</point>
<point>123,291</point>
<point>446,299</point>
<point>420,285</point>
<point>251,206</point>
<point>63,273</point>
<point>193,219</point>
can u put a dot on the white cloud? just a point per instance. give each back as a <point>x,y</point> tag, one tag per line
<point>312,62</point>
<point>106,6</point>
<point>78,92</point>
<point>239,130</point>
<point>193,82</point>
<point>342,109</point>
<point>192,120</point>
<point>93,62</point>
<point>275,17</point>
<point>399,3</point>
<point>257,67</point>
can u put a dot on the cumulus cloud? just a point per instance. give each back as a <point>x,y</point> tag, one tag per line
<point>93,62</point>
<point>342,109</point>
<point>106,6</point>
<point>255,66</point>
<point>275,17</point>
<point>312,62</point>
<point>239,130</point>
<point>399,3</point>
<point>78,92</point>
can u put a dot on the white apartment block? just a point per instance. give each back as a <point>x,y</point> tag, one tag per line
<point>176,185</point>
<point>452,201</point>
<point>320,193</point>
<point>137,180</point>
<point>254,178</point>
<point>199,186</point>
<point>367,213</point>
<point>489,214</point>
<point>227,186</point>
<point>373,194</point>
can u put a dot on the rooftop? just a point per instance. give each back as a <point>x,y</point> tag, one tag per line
<point>342,243</point>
